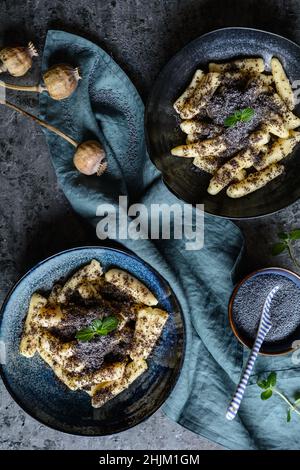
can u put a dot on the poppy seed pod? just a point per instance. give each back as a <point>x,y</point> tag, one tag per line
<point>17,60</point>
<point>61,81</point>
<point>89,157</point>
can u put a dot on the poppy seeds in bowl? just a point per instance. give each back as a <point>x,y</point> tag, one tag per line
<point>285,307</point>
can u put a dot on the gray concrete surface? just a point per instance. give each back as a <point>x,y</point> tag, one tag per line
<point>35,218</point>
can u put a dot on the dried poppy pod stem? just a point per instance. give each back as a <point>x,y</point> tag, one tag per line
<point>60,81</point>
<point>89,157</point>
<point>17,60</point>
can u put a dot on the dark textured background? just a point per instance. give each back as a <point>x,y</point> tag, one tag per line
<point>35,218</point>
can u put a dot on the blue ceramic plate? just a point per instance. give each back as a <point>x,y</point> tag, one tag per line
<point>36,389</point>
<point>163,131</point>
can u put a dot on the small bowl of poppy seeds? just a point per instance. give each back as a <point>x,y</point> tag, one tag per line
<point>247,301</point>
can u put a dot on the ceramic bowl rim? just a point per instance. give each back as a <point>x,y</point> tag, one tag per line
<point>180,363</point>
<point>232,298</point>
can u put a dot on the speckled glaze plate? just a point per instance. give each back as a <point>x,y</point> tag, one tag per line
<point>163,132</point>
<point>34,386</point>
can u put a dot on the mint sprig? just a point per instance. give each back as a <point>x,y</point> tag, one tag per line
<point>240,115</point>
<point>98,327</point>
<point>286,244</point>
<point>269,388</point>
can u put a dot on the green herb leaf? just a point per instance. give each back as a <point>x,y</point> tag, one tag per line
<point>247,114</point>
<point>278,248</point>
<point>238,114</point>
<point>231,121</point>
<point>295,234</point>
<point>269,388</point>
<point>262,384</point>
<point>297,398</point>
<point>243,115</point>
<point>96,324</point>
<point>266,394</point>
<point>297,395</point>
<point>86,334</point>
<point>283,236</point>
<point>98,327</point>
<point>109,324</point>
<point>272,378</point>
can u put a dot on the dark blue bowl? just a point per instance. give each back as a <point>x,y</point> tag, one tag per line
<point>34,386</point>
<point>163,131</point>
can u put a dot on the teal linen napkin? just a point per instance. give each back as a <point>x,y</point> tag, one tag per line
<point>106,106</point>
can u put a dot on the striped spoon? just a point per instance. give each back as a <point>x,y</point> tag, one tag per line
<point>265,325</point>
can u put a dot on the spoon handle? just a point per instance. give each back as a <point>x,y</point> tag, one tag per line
<point>264,327</point>
<point>238,396</point>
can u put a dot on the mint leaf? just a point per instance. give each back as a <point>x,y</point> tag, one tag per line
<point>247,114</point>
<point>269,382</point>
<point>238,114</point>
<point>266,394</point>
<point>243,115</point>
<point>86,334</point>
<point>272,379</point>
<point>295,234</point>
<point>231,121</point>
<point>262,383</point>
<point>108,324</point>
<point>269,386</point>
<point>283,236</point>
<point>96,324</point>
<point>297,397</point>
<point>98,327</point>
<point>278,248</point>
